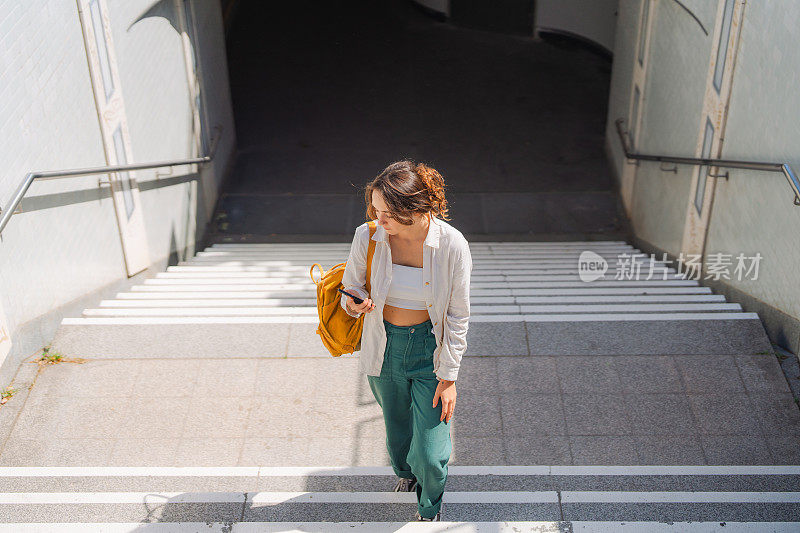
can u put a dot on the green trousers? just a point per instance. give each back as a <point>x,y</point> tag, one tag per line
<point>417,439</point>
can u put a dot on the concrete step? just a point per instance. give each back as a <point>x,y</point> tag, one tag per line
<point>480,248</point>
<point>477,280</point>
<point>477,254</point>
<point>495,293</point>
<point>527,299</point>
<point>506,526</point>
<point>236,271</point>
<point>494,243</point>
<point>475,310</point>
<point>477,300</point>
<point>317,257</point>
<point>230,285</point>
<point>282,267</point>
<point>477,273</point>
<point>473,248</point>
<point>309,318</point>
<point>478,245</point>
<point>488,335</point>
<point>333,494</point>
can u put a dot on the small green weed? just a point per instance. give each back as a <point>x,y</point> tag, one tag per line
<point>50,358</point>
<point>6,394</point>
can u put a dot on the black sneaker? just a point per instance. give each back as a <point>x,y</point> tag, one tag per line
<point>405,485</point>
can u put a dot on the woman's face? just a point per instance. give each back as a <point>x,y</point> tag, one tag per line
<point>384,217</point>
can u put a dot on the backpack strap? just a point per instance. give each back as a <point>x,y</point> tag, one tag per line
<point>373,226</point>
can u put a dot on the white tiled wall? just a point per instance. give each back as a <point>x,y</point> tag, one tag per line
<point>66,244</point>
<point>673,102</point>
<point>753,212</point>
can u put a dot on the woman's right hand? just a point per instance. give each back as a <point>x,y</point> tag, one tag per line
<point>365,306</point>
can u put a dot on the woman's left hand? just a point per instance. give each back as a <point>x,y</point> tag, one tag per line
<point>446,390</point>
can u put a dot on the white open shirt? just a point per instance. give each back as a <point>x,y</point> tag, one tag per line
<point>446,270</point>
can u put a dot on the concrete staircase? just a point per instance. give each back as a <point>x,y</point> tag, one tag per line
<point>478,499</point>
<point>527,299</point>
<point>257,301</point>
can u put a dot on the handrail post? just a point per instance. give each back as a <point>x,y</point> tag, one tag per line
<point>793,182</point>
<point>5,214</point>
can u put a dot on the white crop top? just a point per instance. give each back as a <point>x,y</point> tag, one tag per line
<point>406,290</point>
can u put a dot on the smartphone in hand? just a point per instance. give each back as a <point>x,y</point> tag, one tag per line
<point>355,298</point>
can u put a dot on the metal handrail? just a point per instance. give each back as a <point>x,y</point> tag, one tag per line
<point>10,209</point>
<point>791,177</point>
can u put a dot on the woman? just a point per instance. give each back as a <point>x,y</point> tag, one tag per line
<point>411,348</point>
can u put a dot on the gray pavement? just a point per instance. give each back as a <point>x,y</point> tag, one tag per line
<point>314,411</point>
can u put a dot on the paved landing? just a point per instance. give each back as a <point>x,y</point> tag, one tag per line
<point>559,410</point>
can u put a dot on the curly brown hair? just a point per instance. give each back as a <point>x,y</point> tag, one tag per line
<point>407,188</point>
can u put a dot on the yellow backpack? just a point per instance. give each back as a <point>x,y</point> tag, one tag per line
<point>340,332</point>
